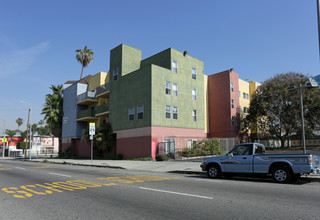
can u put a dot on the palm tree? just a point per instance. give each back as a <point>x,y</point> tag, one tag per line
<point>84,57</point>
<point>53,112</point>
<point>11,133</point>
<point>19,121</point>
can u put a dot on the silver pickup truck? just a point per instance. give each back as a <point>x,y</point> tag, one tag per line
<point>250,159</point>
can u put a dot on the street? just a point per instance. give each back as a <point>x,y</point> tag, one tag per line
<point>53,191</point>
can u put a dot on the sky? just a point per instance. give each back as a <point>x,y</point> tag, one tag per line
<point>38,39</point>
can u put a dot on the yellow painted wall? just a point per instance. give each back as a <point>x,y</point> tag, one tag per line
<point>253,86</point>
<point>98,79</point>
<point>244,88</point>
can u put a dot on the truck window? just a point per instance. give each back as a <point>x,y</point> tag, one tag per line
<point>259,150</point>
<point>242,150</point>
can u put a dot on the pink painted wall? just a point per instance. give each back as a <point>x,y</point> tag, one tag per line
<point>80,148</point>
<point>219,98</point>
<point>146,146</point>
<point>135,147</point>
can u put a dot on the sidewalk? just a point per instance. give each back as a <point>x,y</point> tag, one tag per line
<point>186,167</point>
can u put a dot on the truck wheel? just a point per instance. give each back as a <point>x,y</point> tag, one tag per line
<point>281,175</point>
<point>214,171</point>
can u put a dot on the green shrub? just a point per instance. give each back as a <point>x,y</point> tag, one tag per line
<point>204,147</point>
<point>162,157</point>
<point>23,145</point>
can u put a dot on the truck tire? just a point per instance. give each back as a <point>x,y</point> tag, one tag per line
<point>281,174</point>
<point>214,171</point>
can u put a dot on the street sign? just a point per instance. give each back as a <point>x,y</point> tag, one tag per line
<point>36,140</point>
<point>92,128</point>
<point>4,140</point>
<point>315,81</point>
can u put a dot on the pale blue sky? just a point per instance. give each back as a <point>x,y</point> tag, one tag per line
<point>38,39</point>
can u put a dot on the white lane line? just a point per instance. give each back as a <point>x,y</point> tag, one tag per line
<point>183,194</point>
<point>58,174</point>
<point>21,168</point>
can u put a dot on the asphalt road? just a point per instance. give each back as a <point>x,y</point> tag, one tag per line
<point>49,191</point>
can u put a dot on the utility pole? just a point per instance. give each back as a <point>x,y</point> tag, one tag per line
<point>318,12</point>
<point>25,155</point>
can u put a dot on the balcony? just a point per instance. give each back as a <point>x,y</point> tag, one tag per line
<point>86,115</point>
<point>103,91</point>
<point>102,110</point>
<point>87,98</point>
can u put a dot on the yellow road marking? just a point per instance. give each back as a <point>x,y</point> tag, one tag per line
<point>48,188</point>
<point>5,168</point>
<point>135,179</point>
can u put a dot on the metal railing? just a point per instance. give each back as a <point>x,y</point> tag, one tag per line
<point>102,108</point>
<point>86,113</point>
<point>87,95</point>
<point>103,88</point>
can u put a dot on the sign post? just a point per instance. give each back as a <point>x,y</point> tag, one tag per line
<point>4,140</point>
<point>92,131</point>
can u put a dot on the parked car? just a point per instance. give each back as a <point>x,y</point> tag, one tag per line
<point>251,159</point>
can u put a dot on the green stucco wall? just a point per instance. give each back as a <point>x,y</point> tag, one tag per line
<point>146,86</point>
<point>130,91</point>
<point>184,100</point>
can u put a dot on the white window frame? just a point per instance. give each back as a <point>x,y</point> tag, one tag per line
<point>131,113</point>
<point>168,88</point>
<point>174,89</point>
<point>194,73</point>
<point>140,111</point>
<point>194,115</point>
<point>245,109</point>
<point>174,66</point>
<point>175,112</point>
<point>115,74</point>
<point>194,94</point>
<point>168,111</point>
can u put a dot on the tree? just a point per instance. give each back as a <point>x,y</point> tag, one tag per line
<point>103,139</point>
<point>53,112</point>
<point>19,121</point>
<point>11,133</point>
<point>84,57</point>
<point>279,108</point>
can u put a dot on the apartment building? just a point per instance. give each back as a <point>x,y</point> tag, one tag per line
<point>228,101</point>
<point>158,103</point>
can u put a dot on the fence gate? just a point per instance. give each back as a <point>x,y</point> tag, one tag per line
<point>167,147</point>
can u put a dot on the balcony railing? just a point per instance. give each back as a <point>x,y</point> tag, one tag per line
<point>90,95</point>
<point>88,113</point>
<point>104,108</point>
<point>102,89</point>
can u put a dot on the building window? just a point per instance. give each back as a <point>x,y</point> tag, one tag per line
<point>115,74</point>
<point>194,94</point>
<point>231,87</point>
<point>191,143</point>
<point>245,110</point>
<point>175,112</point>
<point>194,115</point>
<point>194,73</point>
<point>174,89</point>
<point>174,66</point>
<point>131,114</point>
<point>232,121</point>
<point>239,94</point>
<point>168,88</point>
<point>168,111</point>
<point>232,103</point>
<point>245,95</point>
<point>239,108</point>
<point>140,110</point>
